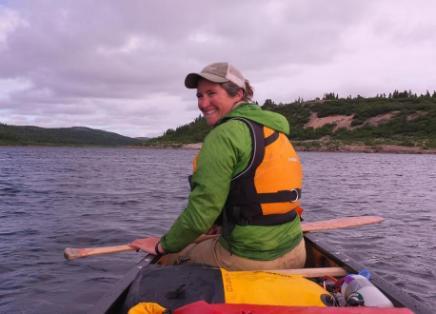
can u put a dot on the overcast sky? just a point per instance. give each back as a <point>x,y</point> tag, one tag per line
<point>120,65</point>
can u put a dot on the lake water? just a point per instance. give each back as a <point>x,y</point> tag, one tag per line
<point>52,198</point>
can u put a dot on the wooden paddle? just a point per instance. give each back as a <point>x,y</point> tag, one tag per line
<point>317,226</point>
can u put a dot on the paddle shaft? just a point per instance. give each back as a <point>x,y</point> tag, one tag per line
<point>317,226</point>
<point>73,253</point>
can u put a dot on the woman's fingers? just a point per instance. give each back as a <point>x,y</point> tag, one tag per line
<point>146,244</point>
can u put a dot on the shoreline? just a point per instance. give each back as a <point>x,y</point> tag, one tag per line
<point>388,149</point>
<point>348,148</point>
<point>299,147</point>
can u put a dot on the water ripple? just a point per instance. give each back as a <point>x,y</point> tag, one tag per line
<point>52,198</point>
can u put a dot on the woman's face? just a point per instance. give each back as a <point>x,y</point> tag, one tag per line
<point>214,102</point>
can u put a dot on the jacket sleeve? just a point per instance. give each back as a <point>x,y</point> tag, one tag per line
<point>225,152</point>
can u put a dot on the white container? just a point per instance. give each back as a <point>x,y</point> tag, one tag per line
<point>371,295</point>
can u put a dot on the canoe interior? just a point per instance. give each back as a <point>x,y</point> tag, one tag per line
<point>317,256</point>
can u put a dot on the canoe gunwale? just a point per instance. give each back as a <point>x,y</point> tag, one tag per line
<point>112,301</point>
<point>397,296</point>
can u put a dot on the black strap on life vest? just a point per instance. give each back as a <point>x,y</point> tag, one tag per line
<point>243,205</point>
<point>280,196</point>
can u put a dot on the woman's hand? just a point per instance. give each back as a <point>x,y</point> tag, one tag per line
<point>147,245</point>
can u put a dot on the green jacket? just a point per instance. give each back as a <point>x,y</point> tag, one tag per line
<point>226,151</point>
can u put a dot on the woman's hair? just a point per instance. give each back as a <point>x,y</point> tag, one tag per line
<point>232,89</point>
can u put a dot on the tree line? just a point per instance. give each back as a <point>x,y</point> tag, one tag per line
<point>31,135</point>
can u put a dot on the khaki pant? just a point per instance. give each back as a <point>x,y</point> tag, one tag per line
<point>210,252</point>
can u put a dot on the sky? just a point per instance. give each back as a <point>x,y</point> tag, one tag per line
<point>120,65</point>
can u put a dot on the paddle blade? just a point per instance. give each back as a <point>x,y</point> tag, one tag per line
<point>72,253</point>
<point>338,223</point>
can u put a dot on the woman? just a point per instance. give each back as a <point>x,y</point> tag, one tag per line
<point>246,184</point>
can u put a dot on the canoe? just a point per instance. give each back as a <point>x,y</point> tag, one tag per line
<point>318,256</point>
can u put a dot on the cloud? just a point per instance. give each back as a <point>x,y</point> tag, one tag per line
<point>120,66</point>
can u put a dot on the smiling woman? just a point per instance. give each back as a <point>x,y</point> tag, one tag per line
<point>216,100</point>
<point>246,184</point>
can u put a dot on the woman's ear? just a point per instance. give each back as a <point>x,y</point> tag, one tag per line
<point>240,94</point>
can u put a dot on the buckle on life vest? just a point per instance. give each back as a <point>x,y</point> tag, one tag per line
<point>297,193</point>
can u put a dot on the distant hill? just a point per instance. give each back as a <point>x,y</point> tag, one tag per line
<point>32,135</point>
<point>331,123</point>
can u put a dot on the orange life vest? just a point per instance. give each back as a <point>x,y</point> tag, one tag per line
<point>268,190</point>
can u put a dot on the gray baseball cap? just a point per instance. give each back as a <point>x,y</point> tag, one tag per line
<point>220,72</point>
